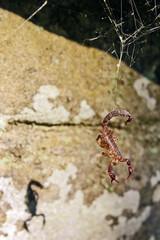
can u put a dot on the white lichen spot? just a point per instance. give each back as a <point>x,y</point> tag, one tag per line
<point>41,103</point>
<point>155,179</point>
<point>85,112</point>
<point>45,112</point>
<point>140,86</point>
<point>156,194</point>
<point>3,121</point>
<point>16,212</point>
<point>133,225</point>
<point>152,237</point>
<point>60,177</point>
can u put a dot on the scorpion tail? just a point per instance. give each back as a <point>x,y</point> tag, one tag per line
<point>36,183</point>
<point>115,113</point>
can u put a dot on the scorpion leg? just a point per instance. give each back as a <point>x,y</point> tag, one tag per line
<point>129,167</point>
<point>111,134</point>
<point>111,174</point>
<point>115,138</point>
<point>105,154</point>
<point>108,154</point>
<point>99,143</point>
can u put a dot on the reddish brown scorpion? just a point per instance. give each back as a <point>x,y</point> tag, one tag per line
<point>107,141</point>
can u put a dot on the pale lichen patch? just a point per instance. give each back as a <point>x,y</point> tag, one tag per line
<point>156,194</point>
<point>44,112</point>
<point>41,103</point>
<point>85,112</point>
<point>17,207</point>
<point>155,179</point>
<point>3,121</point>
<point>60,178</point>
<point>152,237</point>
<point>140,86</point>
<point>133,225</point>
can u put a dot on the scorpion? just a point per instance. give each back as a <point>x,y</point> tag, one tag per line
<point>31,202</point>
<point>106,140</point>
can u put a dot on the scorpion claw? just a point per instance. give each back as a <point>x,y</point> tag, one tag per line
<point>130,173</point>
<point>113,178</point>
<point>112,175</point>
<point>25,225</point>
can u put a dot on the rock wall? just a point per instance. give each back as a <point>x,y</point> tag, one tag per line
<point>54,94</point>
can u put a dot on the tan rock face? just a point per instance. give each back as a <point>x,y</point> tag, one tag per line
<point>54,94</point>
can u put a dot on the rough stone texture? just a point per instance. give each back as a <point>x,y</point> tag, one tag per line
<point>54,94</point>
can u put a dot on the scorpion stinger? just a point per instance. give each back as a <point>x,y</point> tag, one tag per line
<point>106,140</point>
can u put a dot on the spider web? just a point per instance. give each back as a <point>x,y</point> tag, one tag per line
<point>131,22</point>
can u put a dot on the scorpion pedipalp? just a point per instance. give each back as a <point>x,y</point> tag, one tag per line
<point>129,169</point>
<point>111,174</point>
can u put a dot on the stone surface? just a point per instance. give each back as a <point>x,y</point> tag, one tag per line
<point>54,94</point>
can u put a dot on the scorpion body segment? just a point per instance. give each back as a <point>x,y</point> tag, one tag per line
<point>106,140</point>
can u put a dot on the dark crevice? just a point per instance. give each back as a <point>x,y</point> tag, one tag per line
<point>15,122</point>
<point>113,125</point>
